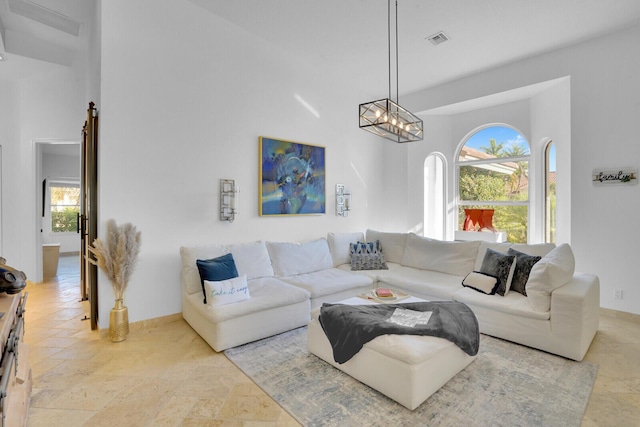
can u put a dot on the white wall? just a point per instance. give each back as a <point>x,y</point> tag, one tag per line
<point>42,107</point>
<point>184,98</point>
<point>52,108</point>
<point>604,110</point>
<point>13,247</point>
<point>551,119</point>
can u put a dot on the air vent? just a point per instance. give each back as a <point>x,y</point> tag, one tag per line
<point>45,16</point>
<point>438,38</point>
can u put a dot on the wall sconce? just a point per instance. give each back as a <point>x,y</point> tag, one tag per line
<point>343,200</point>
<point>228,199</point>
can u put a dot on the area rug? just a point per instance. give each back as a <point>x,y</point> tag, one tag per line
<point>507,385</point>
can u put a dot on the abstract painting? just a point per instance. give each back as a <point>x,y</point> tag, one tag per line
<point>292,177</point>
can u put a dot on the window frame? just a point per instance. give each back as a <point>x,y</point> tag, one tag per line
<point>548,235</point>
<point>459,203</point>
<point>57,183</point>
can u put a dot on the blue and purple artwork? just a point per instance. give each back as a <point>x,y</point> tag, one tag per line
<point>291,178</point>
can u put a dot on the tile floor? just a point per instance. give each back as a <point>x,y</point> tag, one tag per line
<point>165,375</point>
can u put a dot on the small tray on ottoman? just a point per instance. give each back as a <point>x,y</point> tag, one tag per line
<point>405,368</point>
<point>393,296</point>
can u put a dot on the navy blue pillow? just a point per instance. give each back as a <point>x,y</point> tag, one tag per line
<point>216,269</point>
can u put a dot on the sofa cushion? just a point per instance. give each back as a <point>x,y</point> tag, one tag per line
<point>289,259</point>
<point>330,281</point>
<point>367,256</point>
<point>252,259</point>
<point>551,272</point>
<point>457,258</point>
<point>501,266</point>
<point>392,244</point>
<point>524,263</point>
<point>481,282</point>
<point>536,249</point>
<point>189,254</point>
<point>267,293</point>
<point>426,284</point>
<point>224,292</point>
<point>339,246</point>
<point>482,250</point>
<point>514,303</point>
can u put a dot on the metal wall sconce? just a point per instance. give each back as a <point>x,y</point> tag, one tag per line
<point>228,199</point>
<point>343,200</point>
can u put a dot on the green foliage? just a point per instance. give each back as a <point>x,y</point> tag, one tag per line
<point>480,186</point>
<point>65,221</point>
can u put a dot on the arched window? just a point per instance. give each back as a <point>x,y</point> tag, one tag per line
<point>550,193</point>
<point>493,178</point>
<point>435,196</point>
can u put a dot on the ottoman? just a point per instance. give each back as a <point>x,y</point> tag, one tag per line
<point>405,368</point>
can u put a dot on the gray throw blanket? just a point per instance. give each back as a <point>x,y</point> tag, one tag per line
<point>349,327</point>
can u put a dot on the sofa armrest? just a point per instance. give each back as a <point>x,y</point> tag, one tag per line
<point>575,310</point>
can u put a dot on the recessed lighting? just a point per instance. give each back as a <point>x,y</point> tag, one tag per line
<point>3,57</point>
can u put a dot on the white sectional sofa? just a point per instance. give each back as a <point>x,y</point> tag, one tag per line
<point>560,313</point>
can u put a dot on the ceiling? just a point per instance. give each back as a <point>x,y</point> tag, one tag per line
<point>348,37</point>
<point>41,35</point>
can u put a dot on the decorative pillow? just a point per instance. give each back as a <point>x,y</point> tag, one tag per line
<point>481,282</point>
<point>482,250</point>
<point>554,270</point>
<point>216,269</point>
<point>367,256</point>
<point>524,263</point>
<point>339,245</point>
<point>226,291</point>
<point>501,266</point>
<point>290,259</point>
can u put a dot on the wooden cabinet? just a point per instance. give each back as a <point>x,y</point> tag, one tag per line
<point>15,370</point>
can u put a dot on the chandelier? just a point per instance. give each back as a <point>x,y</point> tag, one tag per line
<point>385,117</point>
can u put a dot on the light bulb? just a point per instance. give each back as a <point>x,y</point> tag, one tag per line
<point>386,118</point>
<point>378,114</point>
<point>393,122</point>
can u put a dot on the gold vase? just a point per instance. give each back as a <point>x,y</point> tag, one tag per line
<point>119,322</point>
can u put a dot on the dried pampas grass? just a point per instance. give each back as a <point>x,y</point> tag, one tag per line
<point>117,256</point>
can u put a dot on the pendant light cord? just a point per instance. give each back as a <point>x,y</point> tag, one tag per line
<point>389,41</point>
<point>397,77</point>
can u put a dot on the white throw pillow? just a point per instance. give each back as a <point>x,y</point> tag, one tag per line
<point>226,291</point>
<point>457,258</point>
<point>481,282</point>
<point>552,271</point>
<point>189,254</point>
<point>339,246</point>
<point>289,259</point>
<point>252,259</point>
<point>392,244</point>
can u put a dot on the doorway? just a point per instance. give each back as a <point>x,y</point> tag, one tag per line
<point>58,178</point>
